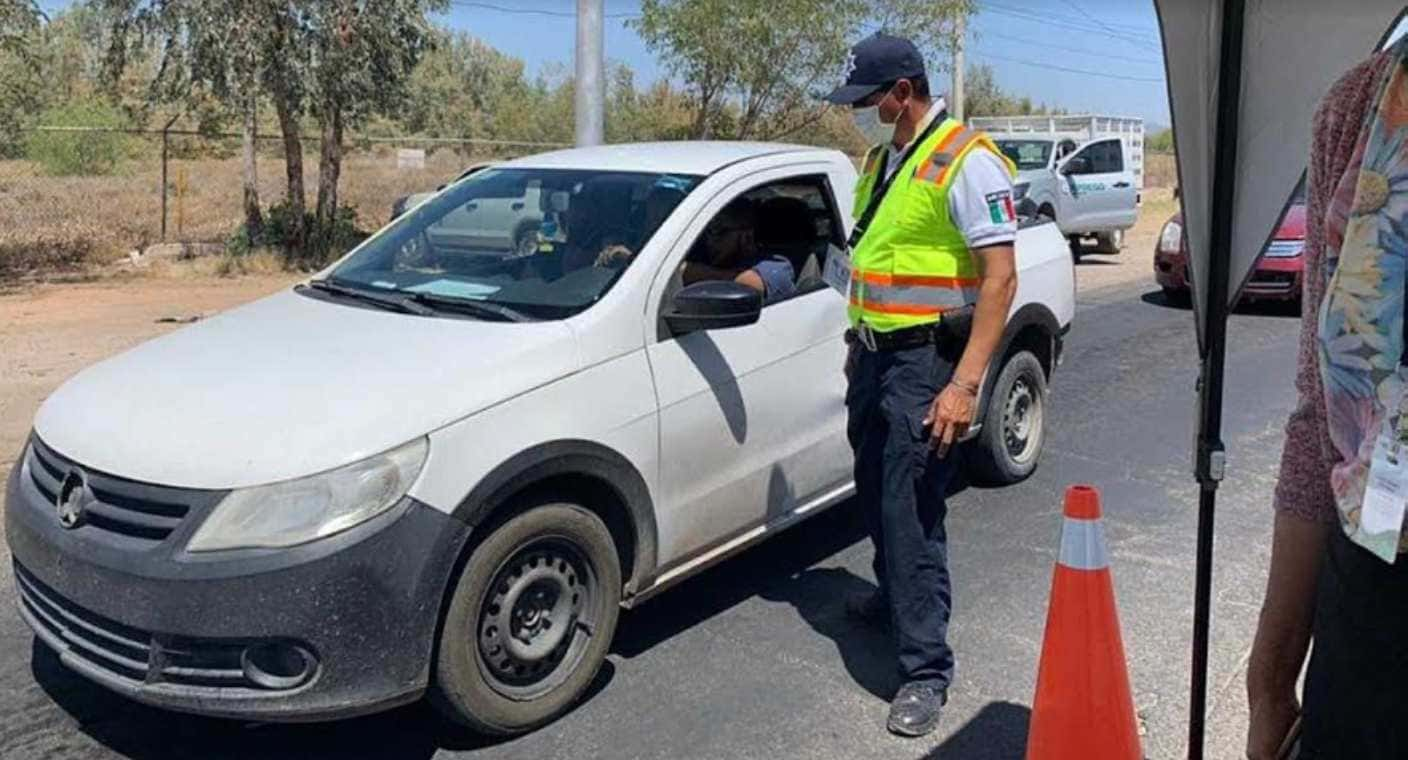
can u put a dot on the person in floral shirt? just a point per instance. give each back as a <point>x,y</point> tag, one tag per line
<point>1337,575</point>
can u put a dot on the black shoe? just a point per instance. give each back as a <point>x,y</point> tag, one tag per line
<point>869,608</point>
<point>916,708</point>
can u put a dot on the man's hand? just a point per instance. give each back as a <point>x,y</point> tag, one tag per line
<point>949,416</point>
<point>613,255</point>
<point>1271,719</point>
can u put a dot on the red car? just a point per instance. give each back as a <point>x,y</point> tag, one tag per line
<point>1277,276</point>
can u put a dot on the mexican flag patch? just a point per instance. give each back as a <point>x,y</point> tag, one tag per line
<point>1000,207</point>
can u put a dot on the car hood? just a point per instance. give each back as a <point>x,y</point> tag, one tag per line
<point>1292,224</point>
<point>1029,175</point>
<point>289,386</point>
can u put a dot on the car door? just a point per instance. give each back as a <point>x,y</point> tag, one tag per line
<point>752,419</point>
<point>1097,193</point>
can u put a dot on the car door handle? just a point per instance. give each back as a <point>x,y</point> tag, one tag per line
<point>1121,184</point>
<point>517,206</point>
<point>471,206</point>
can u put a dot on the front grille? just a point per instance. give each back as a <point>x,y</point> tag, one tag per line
<point>142,513</point>
<point>130,654</point>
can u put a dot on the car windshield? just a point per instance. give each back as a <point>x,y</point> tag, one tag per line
<point>535,243</point>
<point>1027,154</point>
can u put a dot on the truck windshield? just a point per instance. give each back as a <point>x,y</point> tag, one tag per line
<point>545,243</point>
<point>1027,154</point>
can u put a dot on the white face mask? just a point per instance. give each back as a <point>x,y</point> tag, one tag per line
<point>876,132</point>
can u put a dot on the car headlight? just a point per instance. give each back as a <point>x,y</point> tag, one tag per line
<point>1019,190</point>
<point>298,511</point>
<point>1171,238</point>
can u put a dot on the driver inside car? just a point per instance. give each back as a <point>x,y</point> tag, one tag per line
<point>728,250</point>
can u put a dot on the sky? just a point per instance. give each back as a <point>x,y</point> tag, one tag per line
<point>1088,56</point>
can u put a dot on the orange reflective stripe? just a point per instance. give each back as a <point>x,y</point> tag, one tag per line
<point>912,280</point>
<point>969,139</point>
<point>941,158</point>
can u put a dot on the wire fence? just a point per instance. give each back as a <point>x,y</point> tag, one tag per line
<point>85,194</point>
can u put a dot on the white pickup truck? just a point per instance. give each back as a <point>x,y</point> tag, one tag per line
<point>441,466</point>
<point>1086,172</point>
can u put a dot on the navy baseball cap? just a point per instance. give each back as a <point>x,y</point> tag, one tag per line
<point>875,62</point>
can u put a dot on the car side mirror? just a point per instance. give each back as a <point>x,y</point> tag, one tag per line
<point>1077,165</point>
<point>713,305</point>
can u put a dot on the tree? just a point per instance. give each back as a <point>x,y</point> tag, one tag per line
<point>985,97</point>
<point>757,68</point>
<point>21,86</point>
<point>207,48</point>
<point>362,56</point>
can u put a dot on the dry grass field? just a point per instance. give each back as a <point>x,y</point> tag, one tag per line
<point>55,224</point>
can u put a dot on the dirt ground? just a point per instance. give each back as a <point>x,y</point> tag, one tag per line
<point>49,332</point>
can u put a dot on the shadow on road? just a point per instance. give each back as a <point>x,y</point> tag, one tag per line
<point>416,732</point>
<point>1245,308</point>
<point>997,732</point>
<point>819,596</point>
<point>749,574</point>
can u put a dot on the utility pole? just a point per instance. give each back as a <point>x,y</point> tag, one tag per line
<point>955,95</point>
<point>590,101</point>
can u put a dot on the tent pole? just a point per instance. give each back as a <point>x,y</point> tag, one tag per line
<point>1211,459</point>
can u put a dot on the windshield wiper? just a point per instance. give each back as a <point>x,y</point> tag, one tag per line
<point>399,303</point>
<point>474,306</point>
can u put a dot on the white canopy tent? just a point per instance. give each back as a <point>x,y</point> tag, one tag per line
<point>1244,79</point>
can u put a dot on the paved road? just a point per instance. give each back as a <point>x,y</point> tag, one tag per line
<point>754,660</point>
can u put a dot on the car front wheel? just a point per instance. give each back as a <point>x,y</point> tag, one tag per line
<point>1014,424</point>
<point>529,621</point>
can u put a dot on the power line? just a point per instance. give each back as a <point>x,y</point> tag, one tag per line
<point>1100,22</point>
<point>1145,43</point>
<point>1087,72</point>
<point>530,11</point>
<point>1143,32</point>
<point>1039,43</point>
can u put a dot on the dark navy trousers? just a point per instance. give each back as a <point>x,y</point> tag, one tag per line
<point>900,486</point>
<point>1356,686</point>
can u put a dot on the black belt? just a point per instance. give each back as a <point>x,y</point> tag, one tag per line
<point>894,340</point>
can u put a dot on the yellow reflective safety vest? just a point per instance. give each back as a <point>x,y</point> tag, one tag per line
<point>913,263</point>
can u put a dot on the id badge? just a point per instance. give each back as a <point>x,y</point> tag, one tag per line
<point>1385,495</point>
<point>837,272</point>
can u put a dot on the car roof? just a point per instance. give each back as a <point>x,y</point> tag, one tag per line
<point>679,157</point>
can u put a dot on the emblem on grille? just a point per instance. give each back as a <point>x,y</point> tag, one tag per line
<point>70,500</point>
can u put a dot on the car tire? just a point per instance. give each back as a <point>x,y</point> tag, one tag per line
<point>1109,242</point>
<point>1047,211</point>
<point>1177,296</point>
<point>529,621</point>
<point>1009,446</point>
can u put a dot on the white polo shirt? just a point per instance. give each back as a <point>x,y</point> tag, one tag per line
<point>980,201</point>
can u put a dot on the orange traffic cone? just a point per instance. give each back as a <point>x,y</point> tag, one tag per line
<point>1083,709</point>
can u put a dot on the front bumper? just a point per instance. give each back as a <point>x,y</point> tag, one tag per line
<point>141,616</point>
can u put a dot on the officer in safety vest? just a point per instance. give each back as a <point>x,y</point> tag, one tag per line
<point>932,279</point>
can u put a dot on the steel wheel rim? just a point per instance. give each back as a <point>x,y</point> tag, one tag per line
<point>1021,420</point>
<point>536,618</point>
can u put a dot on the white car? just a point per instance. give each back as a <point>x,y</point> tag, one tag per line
<point>445,470</point>
<point>1086,172</point>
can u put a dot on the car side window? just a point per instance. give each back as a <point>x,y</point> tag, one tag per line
<point>1107,157</point>
<point>789,227</point>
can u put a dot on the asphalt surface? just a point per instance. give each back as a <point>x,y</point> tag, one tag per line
<point>754,658</point>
